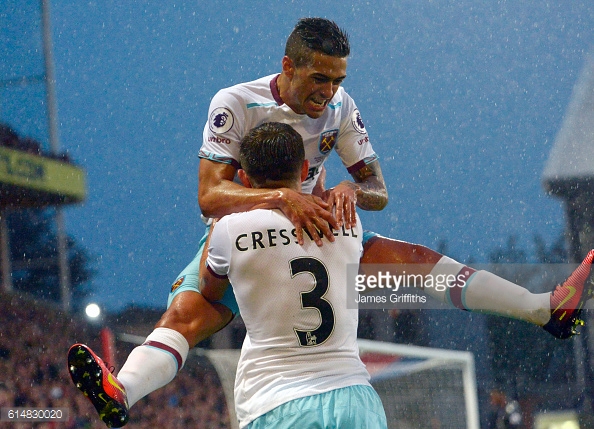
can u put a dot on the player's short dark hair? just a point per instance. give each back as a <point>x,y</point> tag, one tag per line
<point>316,35</point>
<point>272,152</point>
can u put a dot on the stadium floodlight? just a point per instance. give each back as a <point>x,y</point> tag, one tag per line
<point>93,311</point>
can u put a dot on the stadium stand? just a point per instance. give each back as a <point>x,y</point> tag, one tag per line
<point>30,177</point>
<point>34,340</point>
<point>10,139</point>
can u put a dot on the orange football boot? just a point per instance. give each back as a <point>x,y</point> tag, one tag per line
<point>568,299</point>
<point>92,377</point>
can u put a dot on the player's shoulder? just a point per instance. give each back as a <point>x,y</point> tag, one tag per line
<point>246,89</point>
<point>342,104</point>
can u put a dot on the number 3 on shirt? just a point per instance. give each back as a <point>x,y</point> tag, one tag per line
<point>314,299</point>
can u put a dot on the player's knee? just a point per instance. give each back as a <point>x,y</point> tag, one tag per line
<point>181,311</point>
<point>194,317</point>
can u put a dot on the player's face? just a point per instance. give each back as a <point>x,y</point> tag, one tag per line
<point>312,86</point>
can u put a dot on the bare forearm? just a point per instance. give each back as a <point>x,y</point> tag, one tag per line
<point>230,198</point>
<point>371,197</point>
<point>219,195</point>
<point>370,190</point>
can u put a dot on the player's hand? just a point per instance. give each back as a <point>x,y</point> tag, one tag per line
<point>343,200</point>
<point>308,212</point>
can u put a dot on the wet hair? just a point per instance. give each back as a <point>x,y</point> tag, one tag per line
<point>316,35</point>
<point>272,152</point>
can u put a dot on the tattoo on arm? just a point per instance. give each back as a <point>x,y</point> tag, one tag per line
<point>372,193</point>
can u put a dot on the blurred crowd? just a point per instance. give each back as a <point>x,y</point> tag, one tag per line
<point>34,340</point>
<point>10,139</point>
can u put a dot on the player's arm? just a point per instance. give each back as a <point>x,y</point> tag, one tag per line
<point>212,286</point>
<point>219,195</point>
<point>371,191</point>
<point>367,191</point>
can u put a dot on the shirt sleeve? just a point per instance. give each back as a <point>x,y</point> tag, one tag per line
<point>219,249</point>
<point>353,145</point>
<point>224,129</point>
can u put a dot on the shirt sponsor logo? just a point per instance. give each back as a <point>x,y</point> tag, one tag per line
<point>357,122</point>
<point>217,139</point>
<point>327,141</point>
<point>220,120</point>
<point>363,140</point>
<point>311,173</point>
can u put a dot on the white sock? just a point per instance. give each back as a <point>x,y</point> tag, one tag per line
<point>484,291</point>
<point>447,268</point>
<point>153,364</point>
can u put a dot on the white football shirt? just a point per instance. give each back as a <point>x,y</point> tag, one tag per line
<point>301,337</point>
<point>236,110</point>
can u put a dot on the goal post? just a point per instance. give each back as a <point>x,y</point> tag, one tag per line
<point>225,362</point>
<point>420,387</point>
<point>423,387</point>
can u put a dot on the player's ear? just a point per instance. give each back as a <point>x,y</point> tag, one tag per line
<point>304,170</point>
<point>288,67</point>
<point>244,178</point>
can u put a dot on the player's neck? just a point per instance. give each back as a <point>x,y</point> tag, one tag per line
<point>277,184</point>
<point>282,85</point>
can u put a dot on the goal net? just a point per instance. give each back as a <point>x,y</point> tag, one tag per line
<point>423,387</point>
<point>420,387</point>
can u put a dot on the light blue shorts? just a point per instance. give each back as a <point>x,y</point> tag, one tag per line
<point>353,407</point>
<point>188,278</point>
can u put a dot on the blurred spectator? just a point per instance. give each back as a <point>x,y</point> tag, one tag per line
<point>9,138</point>
<point>505,413</point>
<point>30,146</point>
<point>34,340</point>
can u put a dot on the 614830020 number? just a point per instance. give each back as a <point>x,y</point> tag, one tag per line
<point>24,414</point>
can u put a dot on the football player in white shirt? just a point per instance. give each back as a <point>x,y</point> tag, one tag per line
<point>307,95</point>
<point>300,350</point>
